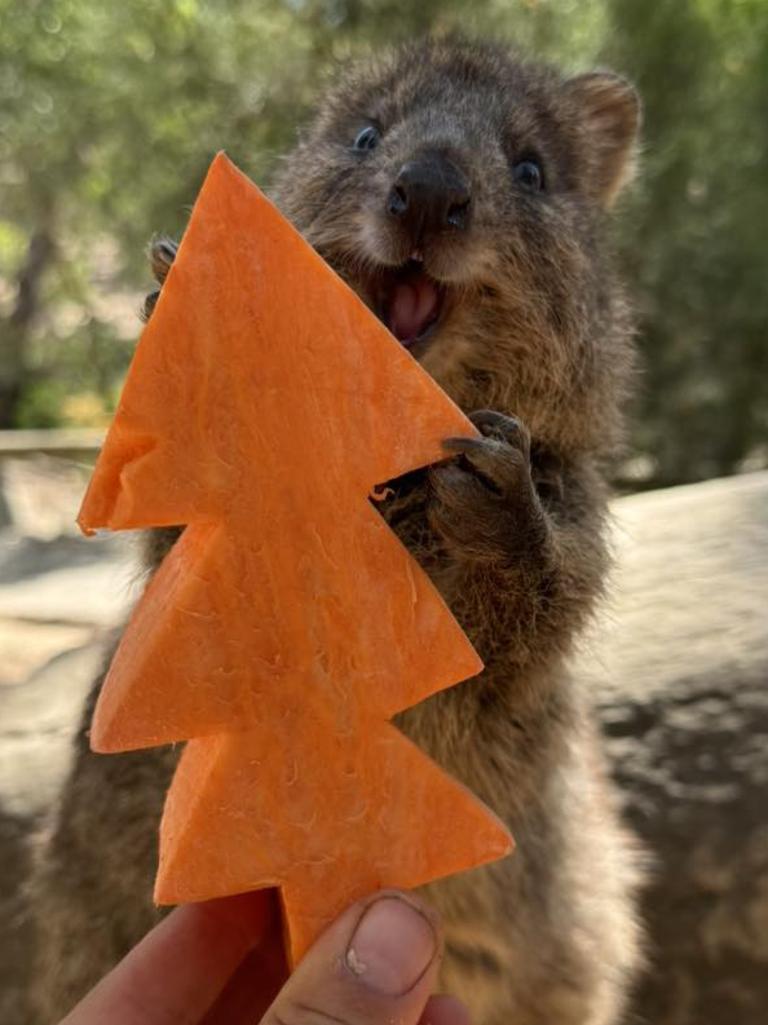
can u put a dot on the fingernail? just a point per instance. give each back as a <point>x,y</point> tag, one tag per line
<point>392,946</point>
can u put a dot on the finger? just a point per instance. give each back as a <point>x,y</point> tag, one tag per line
<point>252,988</point>
<point>497,463</point>
<point>149,305</point>
<point>162,253</point>
<point>463,444</point>
<point>177,971</point>
<point>459,490</point>
<point>498,425</point>
<point>489,419</point>
<point>375,965</point>
<point>444,1010</point>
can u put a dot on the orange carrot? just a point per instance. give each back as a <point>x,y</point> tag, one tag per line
<point>288,625</point>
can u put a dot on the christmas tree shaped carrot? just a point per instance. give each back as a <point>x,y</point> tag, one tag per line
<point>288,625</point>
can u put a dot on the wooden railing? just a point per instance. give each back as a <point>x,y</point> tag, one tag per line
<point>64,442</point>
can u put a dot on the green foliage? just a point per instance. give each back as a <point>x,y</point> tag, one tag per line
<point>694,237</point>
<point>110,113</point>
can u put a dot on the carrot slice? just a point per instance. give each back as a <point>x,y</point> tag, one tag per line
<point>263,406</point>
<point>337,819</point>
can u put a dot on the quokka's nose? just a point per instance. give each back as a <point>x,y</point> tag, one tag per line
<point>430,195</point>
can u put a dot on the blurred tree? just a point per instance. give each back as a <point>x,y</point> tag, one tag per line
<point>694,239</point>
<point>109,115</point>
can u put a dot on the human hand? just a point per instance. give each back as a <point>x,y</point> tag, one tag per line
<point>220,963</point>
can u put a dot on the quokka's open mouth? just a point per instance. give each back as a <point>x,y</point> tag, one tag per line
<point>409,302</point>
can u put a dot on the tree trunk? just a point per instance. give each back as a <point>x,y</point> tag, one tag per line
<point>14,352</point>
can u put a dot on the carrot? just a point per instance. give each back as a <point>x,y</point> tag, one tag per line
<point>263,406</point>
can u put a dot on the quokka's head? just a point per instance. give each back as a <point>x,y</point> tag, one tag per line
<point>460,191</point>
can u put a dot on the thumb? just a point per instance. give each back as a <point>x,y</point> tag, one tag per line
<point>375,965</point>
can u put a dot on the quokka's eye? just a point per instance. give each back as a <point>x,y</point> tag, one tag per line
<point>367,139</point>
<point>529,174</point>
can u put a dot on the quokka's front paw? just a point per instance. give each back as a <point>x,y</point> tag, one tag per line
<point>484,503</point>
<point>162,252</point>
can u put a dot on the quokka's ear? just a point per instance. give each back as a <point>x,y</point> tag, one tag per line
<point>610,111</point>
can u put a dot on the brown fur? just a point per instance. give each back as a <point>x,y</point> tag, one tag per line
<point>511,531</point>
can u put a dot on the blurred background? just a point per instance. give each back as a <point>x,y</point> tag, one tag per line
<point>110,113</point>
<point>109,116</point>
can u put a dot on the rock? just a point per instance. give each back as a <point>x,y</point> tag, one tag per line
<point>680,665</point>
<point>66,579</point>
